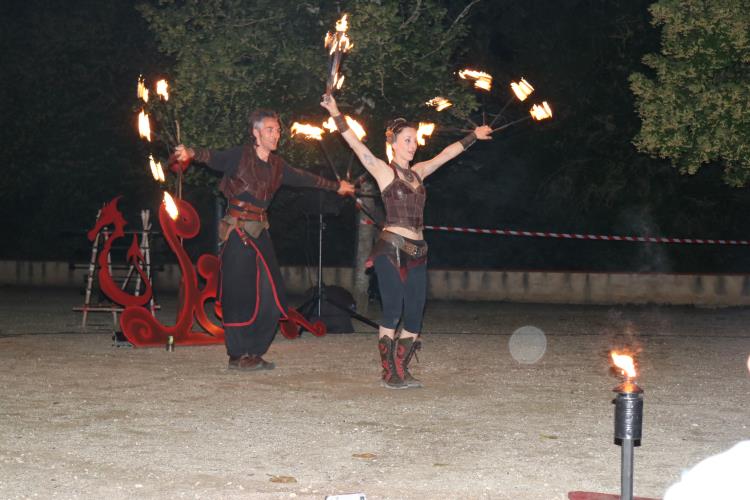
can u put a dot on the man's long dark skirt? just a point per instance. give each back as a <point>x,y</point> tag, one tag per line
<point>252,294</point>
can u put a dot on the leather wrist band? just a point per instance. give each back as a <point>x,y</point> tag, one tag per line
<point>341,124</point>
<point>201,155</point>
<point>467,141</point>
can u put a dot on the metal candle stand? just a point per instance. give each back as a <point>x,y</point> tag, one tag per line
<point>628,426</point>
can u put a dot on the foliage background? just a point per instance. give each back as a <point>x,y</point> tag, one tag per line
<point>694,102</point>
<point>68,107</point>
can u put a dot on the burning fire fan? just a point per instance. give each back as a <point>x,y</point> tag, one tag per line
<point>483,82</point>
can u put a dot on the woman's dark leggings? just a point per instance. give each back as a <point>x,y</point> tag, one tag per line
<point>397,296</point>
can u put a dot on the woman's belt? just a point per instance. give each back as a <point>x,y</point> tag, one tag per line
<point>407,247</point>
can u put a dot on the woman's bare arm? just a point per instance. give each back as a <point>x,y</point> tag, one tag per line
<point>375,166</point>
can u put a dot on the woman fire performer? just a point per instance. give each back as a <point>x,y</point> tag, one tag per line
<point>400,254</point>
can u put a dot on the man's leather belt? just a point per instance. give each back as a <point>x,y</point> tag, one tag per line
<point>400,242</point>
<point>243,211</point>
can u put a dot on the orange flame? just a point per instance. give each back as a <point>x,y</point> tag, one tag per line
<point>522,89</point>
<point>142,90</point>
<point>439,103</point>
<point>309,131</point>
<point>339,42</point>
<point>162,89</point>
<point>358,129</point>
<point>424,130</point>
<point>170,206</point>
<point>541,112</point>
<point>144,127</point>
<point>330,125</point>
<point>354,125</point>
<point>338,81</point>
<point>389,152</point>
<point>339,39</point>
<point>342,24</point>
<point>156,170</point>
<point>625,363</point>
<point>345,44</point>
<point>481,79</point>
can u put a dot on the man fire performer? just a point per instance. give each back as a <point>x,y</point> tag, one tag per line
<point>251,290</point>
<point>400,254</point>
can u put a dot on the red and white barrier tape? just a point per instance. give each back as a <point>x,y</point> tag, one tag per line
<point>576,236</point>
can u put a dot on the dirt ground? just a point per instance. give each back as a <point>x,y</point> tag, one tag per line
<point>80,418</point>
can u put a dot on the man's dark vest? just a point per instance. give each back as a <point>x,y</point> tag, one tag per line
<point>261,182</point>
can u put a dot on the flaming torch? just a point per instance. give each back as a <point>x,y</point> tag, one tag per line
<point>170,206</point>
<point>389,152</point>
<point>628,419</point>
<point>312,132</point>
<point>354,125</point>
<point>359,131</point>
<point>156,170</point>
<point>521,90</point>
<point>537,112</point>
<point>338,43</point>
<point>144,127</point>
<point>307,130</point>
<point>142,90</point>
<point>441,103</point>
<point>482,80</point>
<point>162,89</point>
<point>424,130</point>
<point>541,112</point>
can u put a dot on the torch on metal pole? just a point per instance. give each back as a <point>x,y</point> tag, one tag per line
<point>628,426</point>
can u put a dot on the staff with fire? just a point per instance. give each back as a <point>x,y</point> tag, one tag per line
<point>400,254</point>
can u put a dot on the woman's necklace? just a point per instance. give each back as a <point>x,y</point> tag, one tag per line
<point>407,173</point>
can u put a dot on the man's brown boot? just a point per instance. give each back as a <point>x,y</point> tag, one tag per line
<point>265,365</point>
<point>392,376</point>
<point>405,350</point>
<point>248,363</point>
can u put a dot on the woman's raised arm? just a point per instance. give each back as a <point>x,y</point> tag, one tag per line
<point>377,167</point>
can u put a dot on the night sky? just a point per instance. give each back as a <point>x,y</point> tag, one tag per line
<point>67,132</point>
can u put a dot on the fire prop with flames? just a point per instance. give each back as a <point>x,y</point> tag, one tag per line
<point>520,91</point>
<point>312,132</point>
<point>481,79</point>
<point>169,138</point>
<point>537,112</point>
<point>308,131</point>
<point>441,104</point>
<point>178,220</point>
<point>628,419</point>
<point>338,44</point>
<point>144,130</point>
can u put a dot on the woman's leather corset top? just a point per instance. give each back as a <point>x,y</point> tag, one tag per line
<point>404,204</point>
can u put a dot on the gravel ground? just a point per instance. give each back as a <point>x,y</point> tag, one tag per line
<point>80,418</point>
